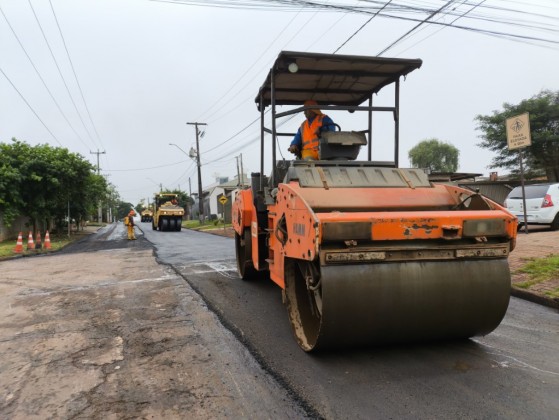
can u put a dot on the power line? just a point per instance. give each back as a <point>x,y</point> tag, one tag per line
<point>233,136</point>
<point>286,5</point>
<point>440,29</point>
<point>41,78</point>
<point>59,70</point>
<point>250,81</point>
<point>417,26</point>
<point>240,146</point>
<point>327,30</point>
<point>75,74</point>
<point>30,107</point>
<point>246,72</point>
<point>145,169</point>
<point>362,26</point>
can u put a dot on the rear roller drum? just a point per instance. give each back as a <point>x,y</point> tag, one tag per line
<point>243,250</point>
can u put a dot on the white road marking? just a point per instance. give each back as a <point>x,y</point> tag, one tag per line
<point>97,285</point>
<point>225,268</point>
<point>507,363</point>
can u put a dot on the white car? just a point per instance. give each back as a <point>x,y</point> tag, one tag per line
<point>542,204</point>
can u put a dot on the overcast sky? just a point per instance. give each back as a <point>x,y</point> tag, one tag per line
<point>146,68</point>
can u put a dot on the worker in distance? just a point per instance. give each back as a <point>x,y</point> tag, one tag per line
<point>129,223</point>
<point>305,143</point>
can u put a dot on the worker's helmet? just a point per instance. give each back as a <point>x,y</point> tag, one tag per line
<point>311,102</point>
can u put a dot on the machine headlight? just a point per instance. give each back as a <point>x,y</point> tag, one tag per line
<point>485,227</point>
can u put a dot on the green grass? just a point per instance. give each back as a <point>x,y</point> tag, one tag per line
<point>191,224</point>
<point>195,225</point>
<point>57,242</point>
<point>540,270</point>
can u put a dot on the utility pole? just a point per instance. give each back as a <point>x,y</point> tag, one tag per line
<point>189,198</point>
<point>242,172</point>
<point>200,198</point>
<point>100,206</point>
<point>238,172</point>
<point>97,153</point>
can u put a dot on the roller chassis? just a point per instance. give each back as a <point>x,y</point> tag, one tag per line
<point>167,216</point>
<point>146,216</point>
<point>370,253</point>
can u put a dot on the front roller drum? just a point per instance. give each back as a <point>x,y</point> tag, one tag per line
<point>369,304</point>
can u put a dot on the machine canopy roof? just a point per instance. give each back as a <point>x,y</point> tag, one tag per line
<point>331,79</point>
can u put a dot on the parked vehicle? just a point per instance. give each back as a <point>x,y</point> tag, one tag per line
<point>542,204</point>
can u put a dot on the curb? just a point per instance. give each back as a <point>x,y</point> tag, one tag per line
<point>532,297</point>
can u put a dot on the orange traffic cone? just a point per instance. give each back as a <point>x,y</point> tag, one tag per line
<point>38,241</point>
<point>47,240</point>
<point>19,245</point>
<point>30,244</point>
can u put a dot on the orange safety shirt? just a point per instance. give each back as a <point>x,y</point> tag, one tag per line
<point>309,137</point>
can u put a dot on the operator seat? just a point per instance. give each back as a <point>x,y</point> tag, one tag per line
<point>340,145</point>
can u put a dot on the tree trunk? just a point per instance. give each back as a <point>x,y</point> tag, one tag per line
<point>552,174</point>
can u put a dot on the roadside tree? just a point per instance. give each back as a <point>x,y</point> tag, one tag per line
<point>40,181</point>
<point>123,208</point>
<point>542,157</point>
<point>11,200</point>
<point>435,155</point>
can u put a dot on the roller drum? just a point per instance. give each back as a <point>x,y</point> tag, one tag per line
<point>382,303</point>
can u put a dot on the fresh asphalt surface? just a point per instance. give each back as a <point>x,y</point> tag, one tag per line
<point>511,373</point>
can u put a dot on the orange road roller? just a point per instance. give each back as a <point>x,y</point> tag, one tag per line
<point>364,251</point>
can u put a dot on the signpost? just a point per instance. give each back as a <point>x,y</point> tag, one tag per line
<point>518,137</point>
<point>223,200</point>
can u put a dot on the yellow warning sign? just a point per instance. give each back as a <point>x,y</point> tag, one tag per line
<point>223,199</point>
<point>518,131</point>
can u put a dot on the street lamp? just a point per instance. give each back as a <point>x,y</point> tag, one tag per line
<point>178,147</point>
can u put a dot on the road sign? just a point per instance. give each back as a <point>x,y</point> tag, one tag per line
<point>518,131</point>
<point>518,137</point>
<point>223,199</point>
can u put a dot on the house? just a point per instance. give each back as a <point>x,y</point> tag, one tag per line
<point>227,189</point>
<point>213,208</point>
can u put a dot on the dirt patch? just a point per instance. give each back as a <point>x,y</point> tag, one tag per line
<point>112,333</point>
<point>228,232</point>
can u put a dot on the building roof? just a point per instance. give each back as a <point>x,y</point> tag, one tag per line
<point>452,176</point>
